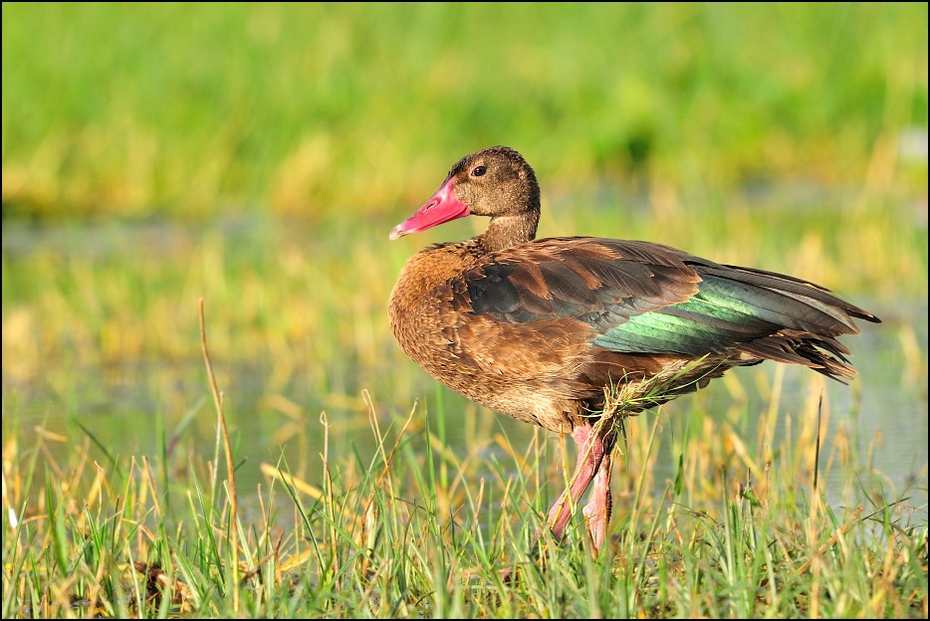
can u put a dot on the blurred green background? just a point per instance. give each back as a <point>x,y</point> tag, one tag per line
<point>257,155</point>
<point>319,109</point>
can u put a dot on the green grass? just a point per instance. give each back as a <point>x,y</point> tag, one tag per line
<point>412,530</point>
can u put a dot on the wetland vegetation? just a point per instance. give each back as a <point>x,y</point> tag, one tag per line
<point>255,156</point>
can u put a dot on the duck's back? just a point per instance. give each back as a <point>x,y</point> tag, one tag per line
<point>538,330</point>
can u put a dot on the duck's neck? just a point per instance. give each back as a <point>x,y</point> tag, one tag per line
<point>506,231</point>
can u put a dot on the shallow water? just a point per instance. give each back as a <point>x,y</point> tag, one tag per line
<point>126,407</point>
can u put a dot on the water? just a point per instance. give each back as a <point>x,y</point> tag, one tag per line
<point>134,406</point>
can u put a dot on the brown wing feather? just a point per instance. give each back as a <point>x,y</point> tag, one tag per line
<point>579,277</point>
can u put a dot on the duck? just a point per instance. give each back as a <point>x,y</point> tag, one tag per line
<point>575,333</point>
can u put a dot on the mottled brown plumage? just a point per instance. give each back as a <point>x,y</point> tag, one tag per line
<point>537,329</point>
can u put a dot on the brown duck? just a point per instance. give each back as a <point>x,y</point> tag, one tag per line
<point>569,333</point>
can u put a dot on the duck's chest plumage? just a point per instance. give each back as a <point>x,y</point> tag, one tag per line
<point>515,330</point>
<point>515,368</point>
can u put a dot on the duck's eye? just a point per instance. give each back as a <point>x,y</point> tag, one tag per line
<point>479,171</point>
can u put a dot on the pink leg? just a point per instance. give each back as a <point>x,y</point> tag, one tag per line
<point>593,464</point>
<point>597,511</point>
